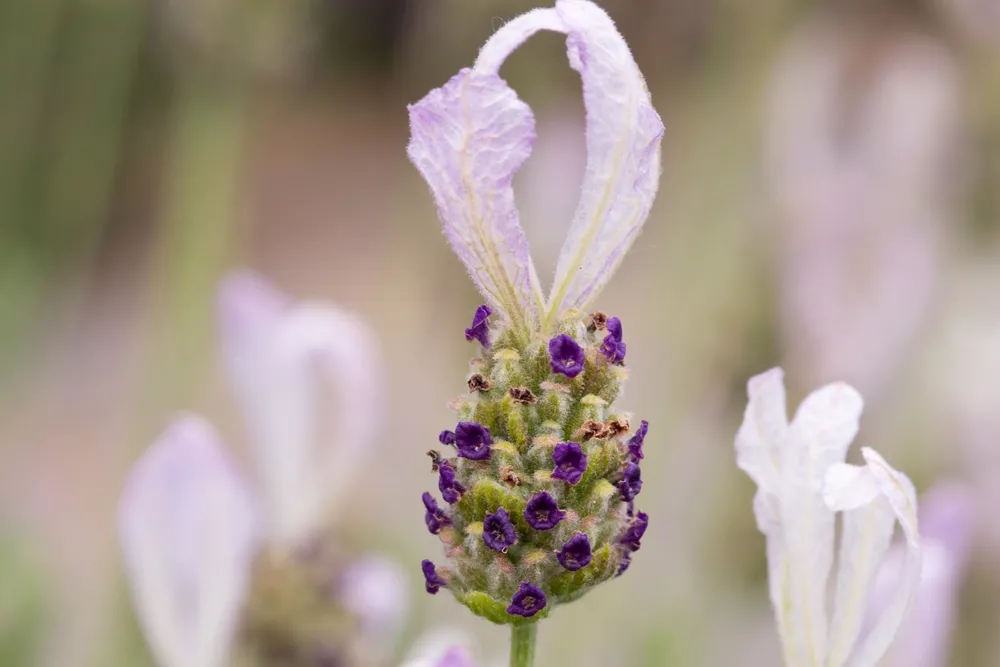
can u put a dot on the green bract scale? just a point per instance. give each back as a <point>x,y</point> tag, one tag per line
<point>540,473</point>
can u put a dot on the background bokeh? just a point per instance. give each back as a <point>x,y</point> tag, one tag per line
<point>830,202</point>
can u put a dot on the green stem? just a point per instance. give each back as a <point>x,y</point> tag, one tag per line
<point>522,644</point>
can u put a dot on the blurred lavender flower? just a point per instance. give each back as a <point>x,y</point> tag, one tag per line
<point>306,376</point>
<point>802,482</point>
<point>862,128</point>
<point>946,525</point>
<point>441,648</point>
<point>187,528</point>
<point>542,457</point>
<point>285,359</point>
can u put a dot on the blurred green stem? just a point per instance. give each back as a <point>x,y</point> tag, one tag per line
<point>522,644</point>
<point>199,216</point>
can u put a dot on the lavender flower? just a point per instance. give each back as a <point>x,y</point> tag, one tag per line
<point>435,518</point>
<point>542,512</point>
<point>498,531</point>
<point>631,483</point>
<point>633,535</point>
<point>576,553</point>
<point>565,356</point>
<point>802,482</point>
<point>570,462</point>
<point>636,441</point>
<point>861,181</point>
<point>472,440</point>
<point>548,374</point>
<point>450,489</point>
<point>184,506</point>
<point>290,364</point>
<point>612,347</point>
<point>480,329</point>
<point>528,601</point>
<point>433,581</point>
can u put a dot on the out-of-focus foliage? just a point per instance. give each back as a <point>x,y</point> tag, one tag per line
<point>23,605</point>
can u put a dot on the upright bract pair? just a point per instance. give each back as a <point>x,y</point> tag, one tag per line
<point>541,470</point>
<point>802,483</point>
<point>191,527</point>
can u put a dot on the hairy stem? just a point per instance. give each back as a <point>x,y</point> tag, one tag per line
<point>522,644</point>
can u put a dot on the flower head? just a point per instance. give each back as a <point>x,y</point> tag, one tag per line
<point>802,483</point>
<point>185,516</point>
<point>545,371</point>
<point>498,531</point>
<point>576,553</point>
<point>570,462</point>
<point>527,601</point>
<point>480,329</point>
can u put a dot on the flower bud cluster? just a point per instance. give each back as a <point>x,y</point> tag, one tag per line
<point>540,474</point>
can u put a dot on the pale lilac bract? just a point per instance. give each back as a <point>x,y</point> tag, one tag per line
<point>187,525</point>
<point>471,136</point>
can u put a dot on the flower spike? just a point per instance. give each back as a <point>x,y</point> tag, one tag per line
<point>542,491</point>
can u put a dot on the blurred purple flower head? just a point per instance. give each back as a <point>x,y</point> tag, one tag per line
<point>469,138</point>
<point>189,527</point>
<point>441,649</point>
<point>802,483</point>
<point>860,168</point>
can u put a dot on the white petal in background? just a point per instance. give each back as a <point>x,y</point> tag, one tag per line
<point>947,518</point>
<point>441,648</point>
<point>187,528</point>
<point>877,497</point>
<point>802,482</point>
<point>307,376</point>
